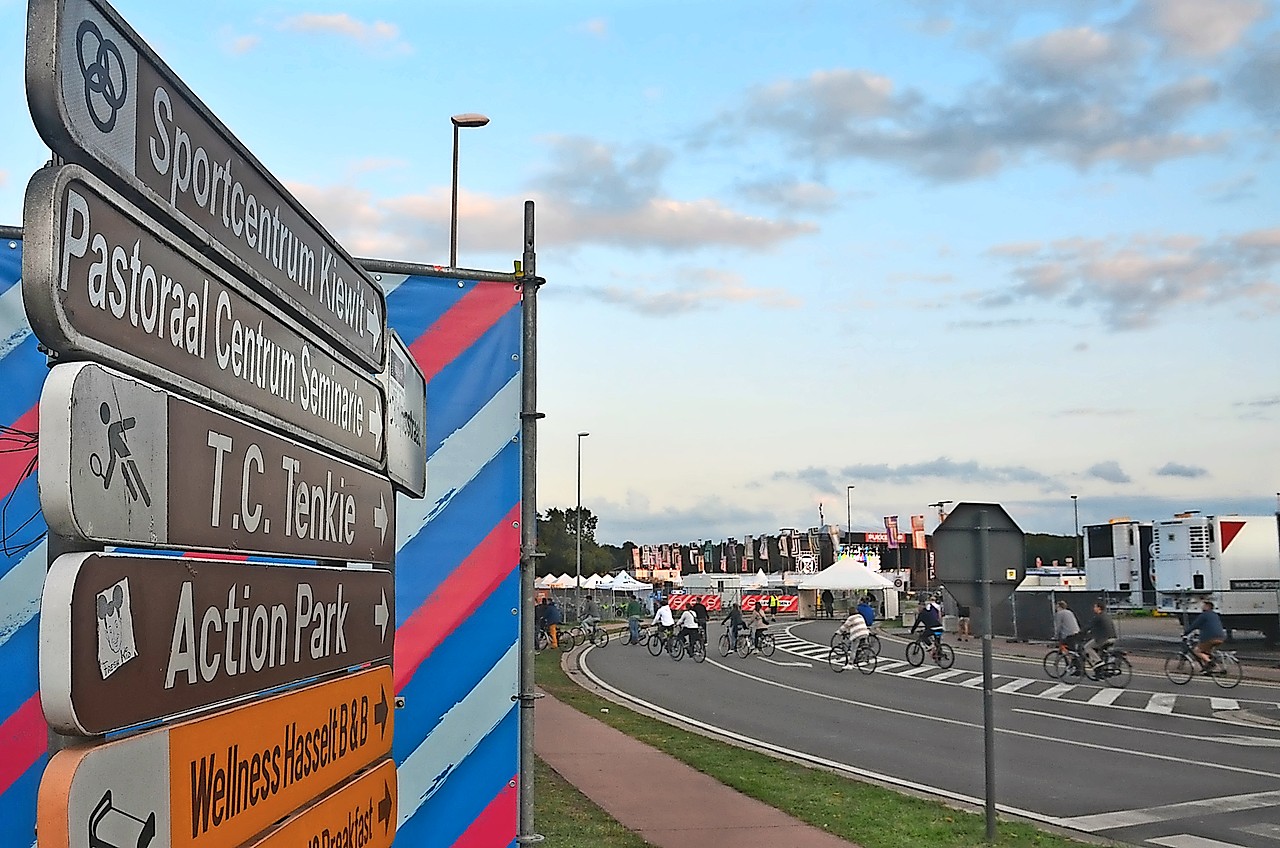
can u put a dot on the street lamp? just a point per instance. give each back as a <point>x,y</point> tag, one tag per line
<point>1075,508</point>
<point>470,119</point>
<point>577,588</point>
<point>848,492</point>
<point>942,509</point>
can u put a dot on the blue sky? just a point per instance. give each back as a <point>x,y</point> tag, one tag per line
<point>994,250</point>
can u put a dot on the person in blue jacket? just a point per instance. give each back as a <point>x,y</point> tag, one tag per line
<point>1212,634</point>
<point>868,610</point>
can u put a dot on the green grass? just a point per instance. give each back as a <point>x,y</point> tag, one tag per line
<point>569,820</point>
<point>869,815</point>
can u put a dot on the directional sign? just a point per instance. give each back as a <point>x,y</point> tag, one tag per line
<point>958,542</point>
<point>132,639</point>
<point>124,463</point>
<point>217,781</point>
<point>406,391</point>
<point>100,280</point>
<point>360,813</point>
<point>101,96</point>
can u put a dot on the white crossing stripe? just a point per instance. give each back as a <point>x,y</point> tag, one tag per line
<point>1271,831</point>
<point>1217,704</point>
<point>951,672</point>
<point>1106,697</point>
<point>1168,812</point>
<point>1161,702</point>
<point>890,664</point>
<point>920,669</point>
<point>1015,685</point>
<point>1056,691</point>
<point>973,682</point>
<point>1187,840</point>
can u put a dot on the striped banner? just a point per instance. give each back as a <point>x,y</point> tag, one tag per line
<point>457,566</point>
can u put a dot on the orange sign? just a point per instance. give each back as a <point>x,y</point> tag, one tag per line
<point>217,781</point>
<point>362,812</point>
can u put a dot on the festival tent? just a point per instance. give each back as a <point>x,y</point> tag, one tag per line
<point>624,582</point>
<point>844,575</point>
<point>759,580</point>
<point>546,582</point>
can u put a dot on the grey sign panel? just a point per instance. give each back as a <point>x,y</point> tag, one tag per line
<point>125,463</point>
<point>406,392</point>
<point>958,544</point>
<point>102,98</point>
<point>131,639</point>
<point>101,280</point>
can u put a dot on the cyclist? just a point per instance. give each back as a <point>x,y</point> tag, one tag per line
<point>1212,634</point>
<point>703,615</point>
<point>665,619</point>
<point>553,618</point>
<point>854,631</point>
<point>929,618</point>
<point>1066,630</point>
<point>590,614</point>
<point>689,628</point>
<point>758,625</point>
<point>734,619</point>
<point>1102,633</point>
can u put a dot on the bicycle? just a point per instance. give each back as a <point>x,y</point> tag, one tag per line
<point>747,644</point>
<point>725,643</point>
<point>541,639</point>
<point>1063,661</point>
<point>942,653</point>
<point>1224,668</point>
<point>872,641</point>
<point>698,650</point>
<point>664,639</point>
<point>580,634</point>
<point>642,636</point>
<point>864,658</point>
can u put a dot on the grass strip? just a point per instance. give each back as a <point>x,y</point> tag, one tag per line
<point>872,816</point>
<point>568,819</point>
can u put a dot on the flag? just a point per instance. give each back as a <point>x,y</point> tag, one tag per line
<point>891,527</point>
<point>917,532</point>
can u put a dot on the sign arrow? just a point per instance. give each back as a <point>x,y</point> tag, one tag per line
<point>384,807</point>
<point>375,422</point>
<point>380,616</point>
<point>380,712</point>
<point>374,326</point>
<point>380,516</point>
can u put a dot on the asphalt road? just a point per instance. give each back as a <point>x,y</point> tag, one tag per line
<point>1189,766</point>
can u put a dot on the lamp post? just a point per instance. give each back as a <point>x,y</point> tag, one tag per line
<point>848,492</point>
<point>470,119</point>
<point>1075,508</point>
<point>577,587</point>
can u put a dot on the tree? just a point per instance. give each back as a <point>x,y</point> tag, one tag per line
<point>557,540</point>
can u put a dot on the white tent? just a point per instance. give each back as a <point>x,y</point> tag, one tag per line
<point>624,582</point>
<point>546,582</point>
<point>605,582</point>
<point>565,581</point>
<point>844,575</point>
<point>759,580</point>
<point>591,581</point>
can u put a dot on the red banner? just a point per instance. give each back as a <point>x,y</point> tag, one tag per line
<point>786,603</point>
<point>917,532</point>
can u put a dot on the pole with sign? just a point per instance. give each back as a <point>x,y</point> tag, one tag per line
<point>981,560</point>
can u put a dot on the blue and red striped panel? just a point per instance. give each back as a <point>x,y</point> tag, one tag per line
<point>457,569</point>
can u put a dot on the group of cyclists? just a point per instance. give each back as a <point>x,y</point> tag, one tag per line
<point>692,623</point>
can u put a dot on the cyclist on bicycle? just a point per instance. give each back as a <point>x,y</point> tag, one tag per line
<point>930,618</point>
<point>689,628</point>
<point>1212,634</point>
<point>854,632</point>
<point>1066,630</point>
<point>758,625</point>
<point>590,614</point>
<point>665,619</point>
<point>734,619</point>
<point>1102,634</point>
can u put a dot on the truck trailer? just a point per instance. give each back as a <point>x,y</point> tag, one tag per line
<point>1232,560</point>
<point>1117,562</point>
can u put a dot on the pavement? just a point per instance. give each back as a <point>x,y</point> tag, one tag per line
<point>683,808</point>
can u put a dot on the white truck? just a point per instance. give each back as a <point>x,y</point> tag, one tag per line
<point>1117,562</point>
<point>1232,560</point>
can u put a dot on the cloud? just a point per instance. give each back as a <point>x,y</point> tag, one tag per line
<point>378,34</point>
<point>1109,471</point>
<point>1255,82</point>
<point>1132,282</point>
<point>1197,28</point>
<point>596,27</point>
<point>1174,469</point>
<point>942,468</point>
<point>789,195</point>
<point>237,44</point>
<point>696,290</point>
<point>1080,56</point>
<point>708,518</point>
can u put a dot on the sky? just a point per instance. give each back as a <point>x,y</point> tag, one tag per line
<point>998,251</point>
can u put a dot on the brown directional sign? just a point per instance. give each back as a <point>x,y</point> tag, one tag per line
<point>217,781</point>
<point>101,280</point>
<point>102,98</point>
<point>360,813</point>
<point>125,463</point>
<point>131,639</point>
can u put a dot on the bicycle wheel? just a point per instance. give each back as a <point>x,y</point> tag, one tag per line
<point>1066,667</point>
<point>699,652</point>
<point>767,646</point>
<point>1117,672</point>
<point>676,648</point>
<point>1179,668</point>
<point>838,658</point>
<point>1051,663</point>
<point>1228,673</point>
<point>866,660</point>
<point>600,637</point>
<point>744,645</point>
<point>873,642</point>
<point>946,657</point>
<point>655,644</point>
<point>725,646</point>
<point>915,653</point>
<point>836,639</point>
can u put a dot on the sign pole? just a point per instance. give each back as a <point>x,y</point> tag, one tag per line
<point>988,697</point>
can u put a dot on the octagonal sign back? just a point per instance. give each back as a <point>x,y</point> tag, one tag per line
<point>957,544</point>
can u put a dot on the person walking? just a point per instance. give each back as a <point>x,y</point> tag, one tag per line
<point>635,609</point>
<point>773,606</point>
<point>554,617</point>
<point>828,603</point>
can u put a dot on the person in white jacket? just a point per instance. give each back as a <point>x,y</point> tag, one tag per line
<point>855,632</point>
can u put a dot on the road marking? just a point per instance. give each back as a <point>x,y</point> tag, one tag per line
<point>1015,684</point>
<point>951,672</point>
<point>973,682</point>
<point>1245,741</point>
<point>1187,840</point>
<point>1057,690</point>
<point>1162,703</point>
<point>1219,704</point>
<point>1169,812</point>
<point>777,662</point>
<point>1106,697</point>
<point>1271,831</point>
<point>911,672</point>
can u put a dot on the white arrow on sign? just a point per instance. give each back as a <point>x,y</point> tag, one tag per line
<point>380,516</point>
<point>374,326</point>
<point>375,422</point>
<point>380,616</point>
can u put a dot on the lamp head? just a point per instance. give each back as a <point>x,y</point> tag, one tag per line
<point>470,119</point>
